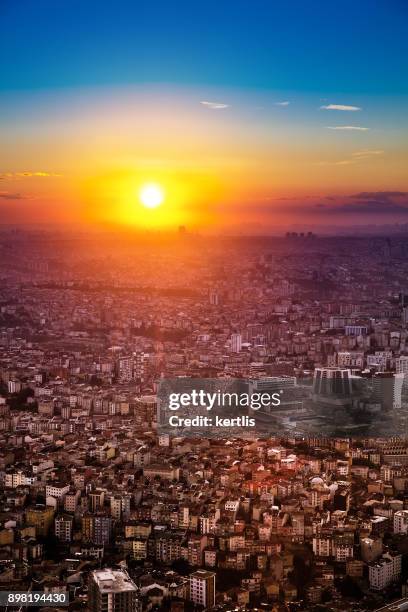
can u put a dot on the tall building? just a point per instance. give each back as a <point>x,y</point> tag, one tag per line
<point>125,368</point>
<point>71,500</point>
<point>96,528</point>
<point>41,517</point>
<point>404,315</point>
<point>384,571</point>
<point>387,389</point>
<point>202,588</point>
<point>214,298</point>
<point>236,343</point>
<point>120,506</point>
<point>401,364</point>
<point>401,521</point>
<point>285,387</point>
<point>112,591</point>
<point>332,382</point>
<point>139,365</point>
<point>322,545</point>
<point>96,499</point>
<point>63,527</point>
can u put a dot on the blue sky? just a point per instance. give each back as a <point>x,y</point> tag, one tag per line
<point>297,45</point>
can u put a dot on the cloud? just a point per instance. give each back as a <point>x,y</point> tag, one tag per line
<point>379,196</point>
<point>7,195</point>
<point>10,176</point>
<point>373,207</point>
<point>214,105</point>
<point>358,128</point>
<point>367,153</point>
<point>369,202</point>
<point>355,158</point>
<point>289,198</point>
<point>340,107</point>
<point>284,103</point>
<point>339,162</point>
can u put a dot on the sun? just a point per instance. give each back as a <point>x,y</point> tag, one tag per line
<point>151,195</point>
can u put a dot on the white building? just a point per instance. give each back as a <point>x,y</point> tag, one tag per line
<point>401,521</point>
<point>71,501</point>
<point>112,590</point>
<point>385,571</point>
<point>232,505</point>
<point>347,359</point>
<point>322,546</point>
<point>236,343</point>
<point>14,386</point>
<point>202,588</point>
<point>125,368</point>
<point>207,524</point>
<point>380,360</point>
<point>56,490</point>
<point>18,479</point>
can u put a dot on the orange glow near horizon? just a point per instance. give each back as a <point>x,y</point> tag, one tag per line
<point>217,169</point>
<point>157,199</point>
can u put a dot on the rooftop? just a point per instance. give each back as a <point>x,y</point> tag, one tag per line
<point>113,581</point>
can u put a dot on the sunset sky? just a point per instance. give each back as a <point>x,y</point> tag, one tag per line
<point>249,116</point>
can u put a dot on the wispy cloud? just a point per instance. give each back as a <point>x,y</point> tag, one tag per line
<point>9,176</point>
<point>215,105</point>
<point>355,158</point>
<point>339,162</point>
<point>284,103</point>
<point>367,153</point>
<point>340,107</point>
<point>7,195</point>
<point>357,128</point>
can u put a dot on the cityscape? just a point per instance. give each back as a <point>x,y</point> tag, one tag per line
<point>204,306</point>
<point>97,503</point>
